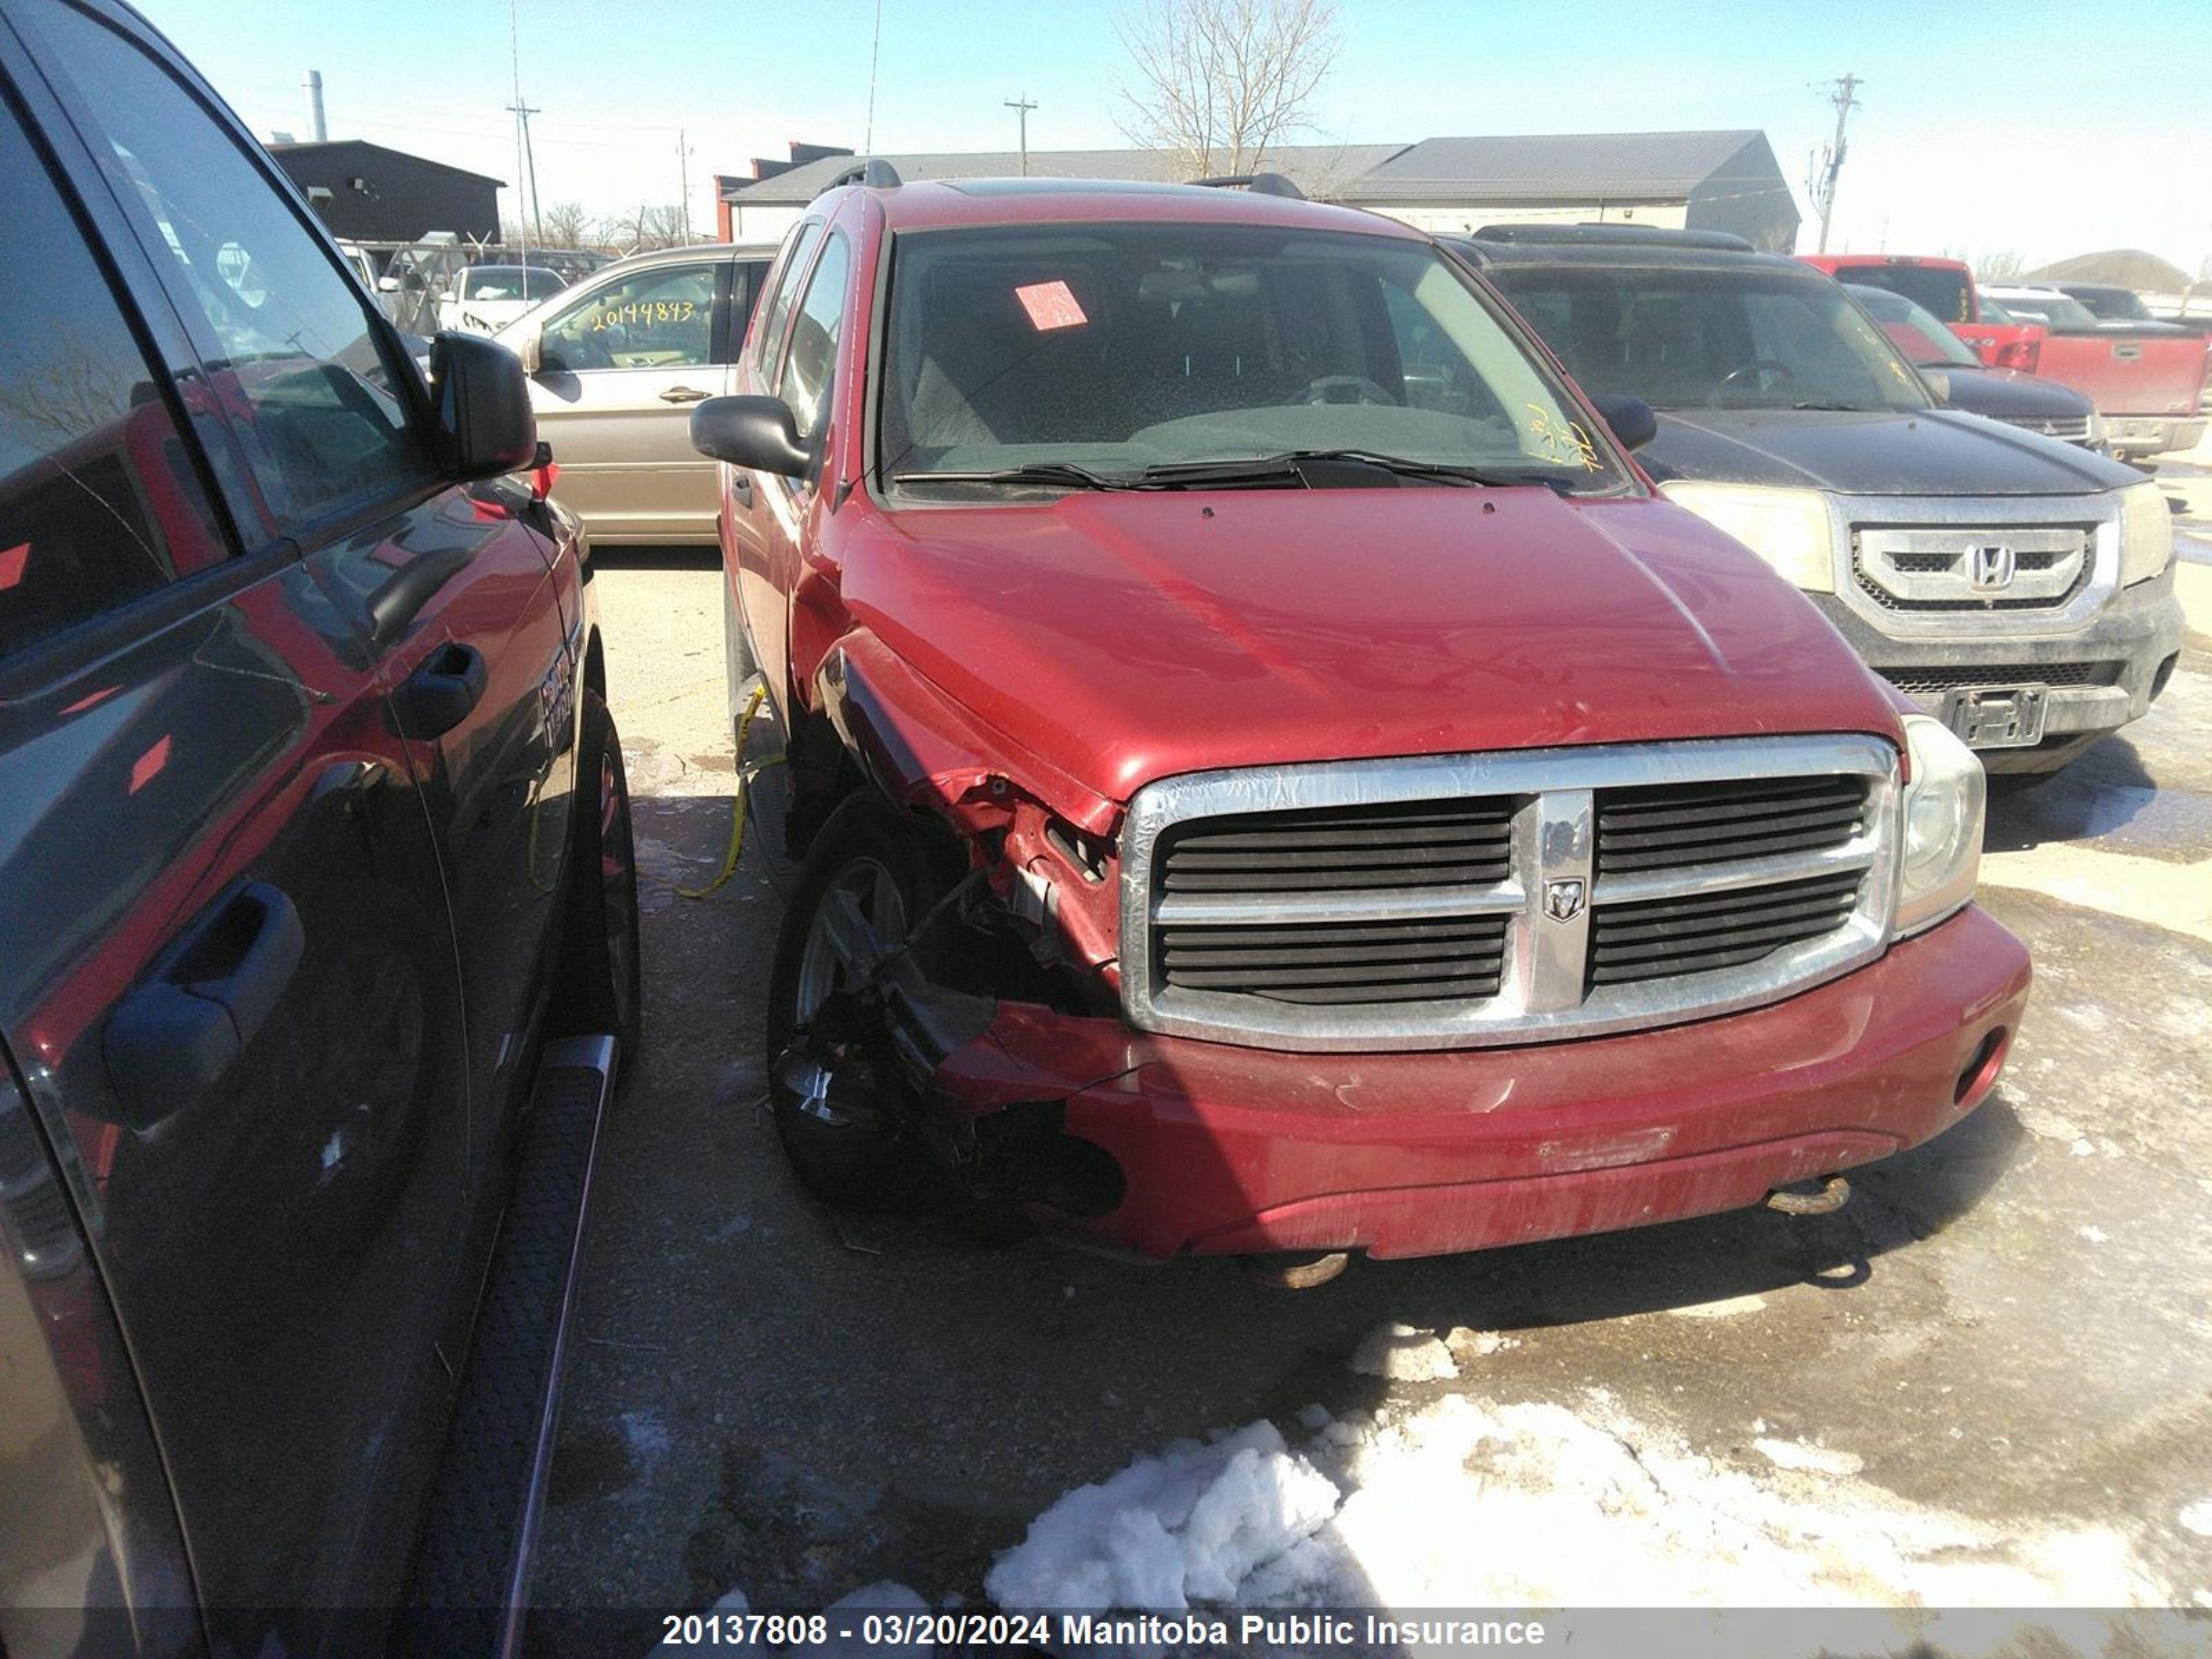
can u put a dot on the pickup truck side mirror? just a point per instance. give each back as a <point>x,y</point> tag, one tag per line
<point>387,285</point>
<point>758,434</point>
<point>486,428</point>
<point>1630,420</point>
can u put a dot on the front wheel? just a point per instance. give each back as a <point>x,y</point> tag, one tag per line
<point>600,986</point>
<point>868,878</point>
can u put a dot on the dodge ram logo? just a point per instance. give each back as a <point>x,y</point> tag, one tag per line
<point>1992,567</point>
<point>1563,900</point>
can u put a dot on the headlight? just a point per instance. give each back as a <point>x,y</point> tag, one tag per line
<point>2146,532</point>
<point>1943,807</point>
<point>1787,528</point>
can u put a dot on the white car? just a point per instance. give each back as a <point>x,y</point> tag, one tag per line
<point>484,299</point>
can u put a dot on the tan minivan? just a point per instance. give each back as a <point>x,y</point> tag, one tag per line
<point>616,363</point>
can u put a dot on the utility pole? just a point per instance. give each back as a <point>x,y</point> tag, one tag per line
<point>1022,106</point>
<point>526,159</point>
<point>522,114</point>
<point>683,173</point>
<point>1821,182</point>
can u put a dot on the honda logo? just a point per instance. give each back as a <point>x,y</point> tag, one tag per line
<point>1992,568</point>
<point>1563,900</point>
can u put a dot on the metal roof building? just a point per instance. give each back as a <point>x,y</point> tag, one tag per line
<point>377,194</point>
<point>1725,180</point>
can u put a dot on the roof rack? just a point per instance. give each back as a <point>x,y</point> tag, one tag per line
<point>872,171</point>
<point>1617,235</point>
<point>1260,184</point>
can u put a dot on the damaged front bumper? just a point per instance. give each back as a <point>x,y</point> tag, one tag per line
<point>1171,1145</point>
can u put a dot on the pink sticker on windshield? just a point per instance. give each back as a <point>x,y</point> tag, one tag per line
<point>1050,306</point>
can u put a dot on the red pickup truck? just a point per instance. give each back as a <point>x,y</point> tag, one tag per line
<point>1274,775</point>
<point>2147,383</point>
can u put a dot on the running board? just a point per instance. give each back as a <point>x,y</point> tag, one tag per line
<point>471,1584</point>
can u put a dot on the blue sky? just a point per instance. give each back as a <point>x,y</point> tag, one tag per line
<point>2046,128</point>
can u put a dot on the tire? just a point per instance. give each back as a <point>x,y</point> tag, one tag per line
<point>599,988</point>
<point>842,1152</point>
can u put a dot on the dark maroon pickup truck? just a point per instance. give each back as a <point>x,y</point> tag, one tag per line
<point>1275,778</point>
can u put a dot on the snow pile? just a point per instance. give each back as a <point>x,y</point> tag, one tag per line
<point>1191,1524</point>
<point>1467,1503</point>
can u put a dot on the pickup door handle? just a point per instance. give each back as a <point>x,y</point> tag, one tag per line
<point>438,696</point>
<point>174,1036</point>
<point>685,394</point>
<point>741,486</point>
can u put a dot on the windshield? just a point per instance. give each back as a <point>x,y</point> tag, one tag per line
<point>1940,289</point>
<point>2054,311</point>
<point>510,282</point>
<point>1912,330</point>
<point>1119,348</point>
<point>2114,304</point>
<point>1718,338</point>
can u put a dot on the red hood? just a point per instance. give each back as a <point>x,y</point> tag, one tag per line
<point>1126,637</point>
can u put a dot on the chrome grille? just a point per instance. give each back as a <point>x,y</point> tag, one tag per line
<point>1340,963</point>
<point>1458,901</point>
<point>1393,844</point>
<point>1672,827</point>
<point>2073,430</point>
<point>1660,937</point>
<point>1933,569</point>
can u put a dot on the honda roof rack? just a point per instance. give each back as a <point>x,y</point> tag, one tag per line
<point>1260,184</point>
<point>872,171</point>
<point>1632,235</point>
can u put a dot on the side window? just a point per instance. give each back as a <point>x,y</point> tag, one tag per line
<point>99,498</point>
<point>745,281</point>
<point>296,361</point>
<point>811,363</point>
<point>796,251</point>
<point>663,318</point>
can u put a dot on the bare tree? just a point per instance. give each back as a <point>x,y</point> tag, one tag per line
<point>1216,82</point>
<point>566,225</point>
<point>2002,266</point>
<point>644,227</point>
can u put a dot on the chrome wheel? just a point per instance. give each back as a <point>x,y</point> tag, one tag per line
<point>860,919</point>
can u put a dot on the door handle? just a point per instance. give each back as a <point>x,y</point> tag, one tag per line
<point>685,394</point>
<point>438,696</point>
<point>170,1039</point>
<point>741,486</point>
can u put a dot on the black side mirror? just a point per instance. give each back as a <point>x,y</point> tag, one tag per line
<point>1629,419</point>
<point>485,424</point>
<point>758,434</point>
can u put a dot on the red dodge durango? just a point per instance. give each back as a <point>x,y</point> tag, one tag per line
<point>1273,775</point>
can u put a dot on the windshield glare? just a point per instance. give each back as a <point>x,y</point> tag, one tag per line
<point>1712,338</point>
<point>1117,348</point>
<point>1913,331</point>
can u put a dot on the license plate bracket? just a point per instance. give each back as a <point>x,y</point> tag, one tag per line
<point>1997,717</point>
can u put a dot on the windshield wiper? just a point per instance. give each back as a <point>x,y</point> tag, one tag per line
<point>1294,468</point>
<point>1842,409</point>
<point>1066,474</point>
<point>1295,463</point>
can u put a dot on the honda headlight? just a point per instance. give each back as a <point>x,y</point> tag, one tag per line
<point>1788,528</point>
<point>2146,532</point>
<point>1944,802</point>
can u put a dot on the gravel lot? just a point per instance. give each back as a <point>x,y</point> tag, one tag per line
<point>2013,1324</point>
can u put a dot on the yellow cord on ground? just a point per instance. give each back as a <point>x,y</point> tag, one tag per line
<point>744,774</point>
